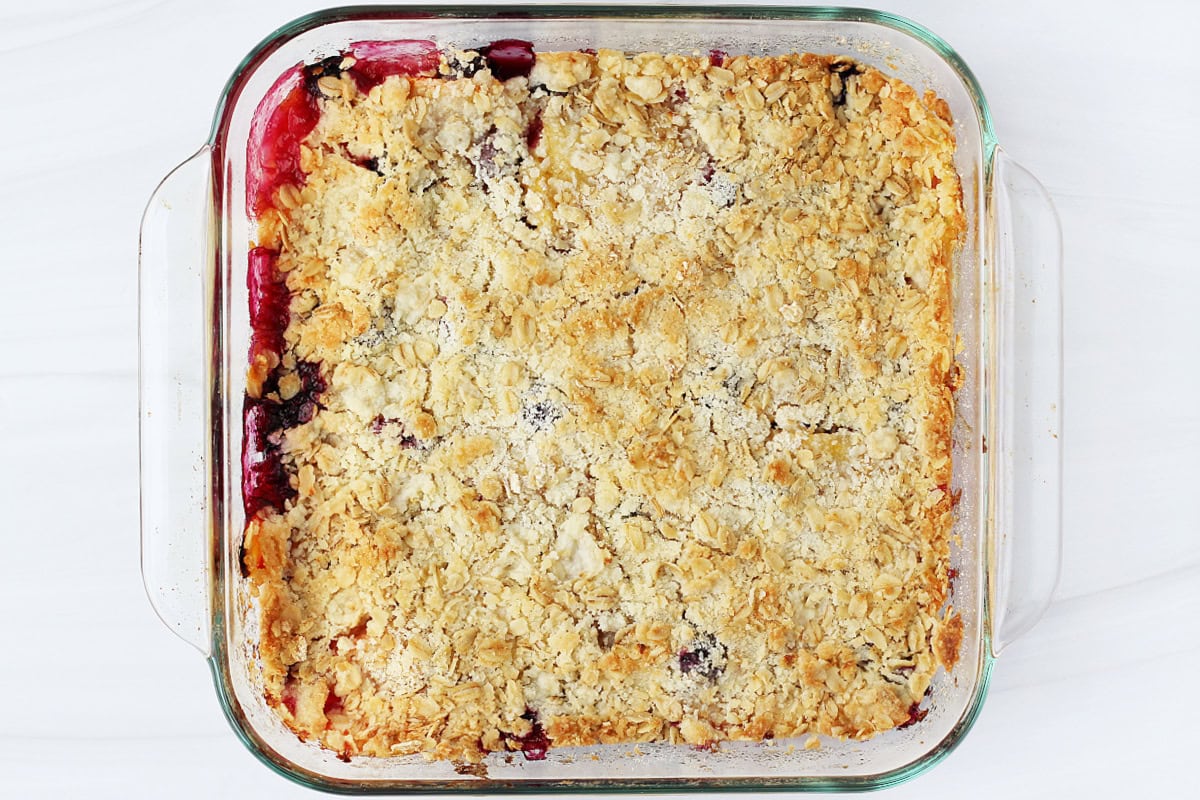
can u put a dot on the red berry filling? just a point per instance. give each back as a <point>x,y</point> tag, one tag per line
<point>286,115</point>
<point>289,695</point>
<point>333,704</point>
<point>375,62</point>
<point>282,120</point>
<point>289,111</point>
<point>269,301</point>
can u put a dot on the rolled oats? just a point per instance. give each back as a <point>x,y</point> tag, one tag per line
<point>613,406</point>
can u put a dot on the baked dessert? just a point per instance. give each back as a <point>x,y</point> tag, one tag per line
<point>599,398</point>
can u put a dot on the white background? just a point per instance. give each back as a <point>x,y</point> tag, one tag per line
<point>1100,100</point>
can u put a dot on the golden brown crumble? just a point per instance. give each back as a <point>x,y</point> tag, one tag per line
<point>638,407</point>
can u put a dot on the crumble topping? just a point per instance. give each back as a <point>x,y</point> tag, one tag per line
<point>633,412</point>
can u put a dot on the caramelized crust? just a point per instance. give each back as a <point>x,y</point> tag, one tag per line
<point>637,407</point>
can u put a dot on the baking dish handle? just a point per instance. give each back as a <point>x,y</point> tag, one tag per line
<point>1026,534</point>
<point>175,243</point>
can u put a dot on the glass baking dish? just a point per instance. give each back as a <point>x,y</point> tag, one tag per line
<point>194,335</point>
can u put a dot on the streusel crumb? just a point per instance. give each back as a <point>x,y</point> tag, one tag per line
<point>613,405</point>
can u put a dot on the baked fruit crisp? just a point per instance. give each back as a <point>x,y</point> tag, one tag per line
<point>598,398</point>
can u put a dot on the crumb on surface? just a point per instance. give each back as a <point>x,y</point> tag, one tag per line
<point>633,430</point>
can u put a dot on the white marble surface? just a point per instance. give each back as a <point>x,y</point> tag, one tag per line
<point>1100,100</point>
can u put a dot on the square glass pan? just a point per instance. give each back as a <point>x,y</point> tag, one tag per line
<point>194,336</point>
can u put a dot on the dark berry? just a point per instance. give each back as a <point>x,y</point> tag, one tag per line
<point>497,158</point>
<point>637,287</point>
<point>464,65</point>
<point>486,168</point>
<point>915,715</point>
<point>844,69</point>
<point>509,58</point>
<point>605,639</point>
<point>689,660</point>
<point>301,408</point>
<point>264,477</point>
<point>264,480</point>
<point>541,415</point>
<point>407,441</point>
<point>733,384</point>
<point>717,57</point>
<point>705,656</point>
<point>535,744</point>
<point>326,67</point>
<point>369,163</point>
<point>534,134</point>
